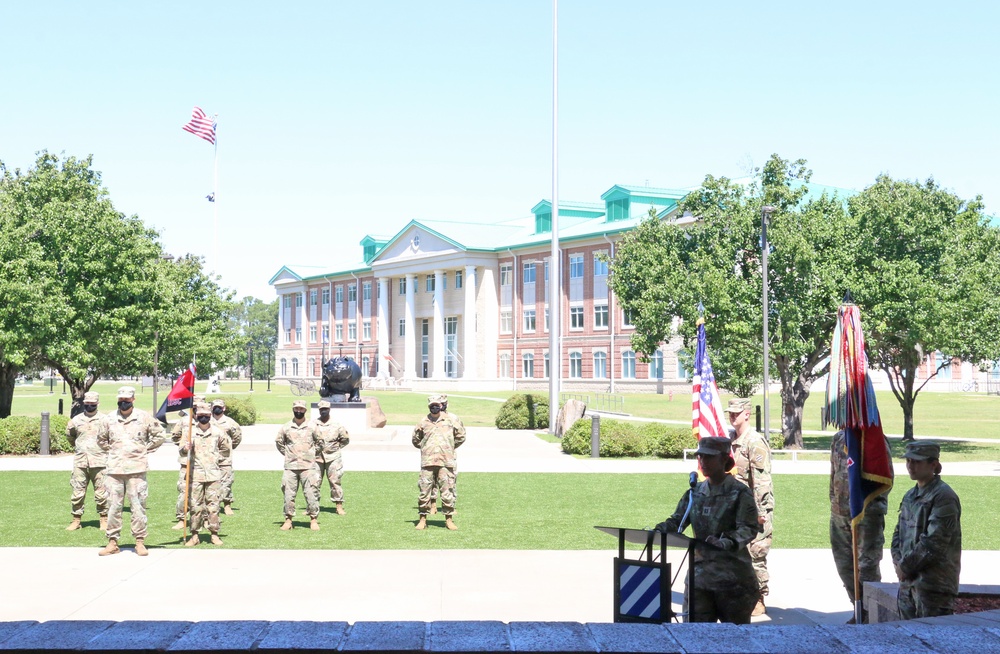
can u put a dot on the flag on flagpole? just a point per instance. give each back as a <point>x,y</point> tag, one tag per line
<point>181,395</point>
<point>201,125</point>
<point>706,405</point>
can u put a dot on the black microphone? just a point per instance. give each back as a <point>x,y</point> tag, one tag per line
<point>693,479</point>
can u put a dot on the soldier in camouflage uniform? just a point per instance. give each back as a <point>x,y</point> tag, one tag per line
<point>131,435</point>
<point>723,517</point>
<point>298,441</point>
<point>89,460</point>
<point>437,436</point>
<point>458,423</point>
<point>235,434</point>
<point>752,454</point>
<point>927,542</point>
<point>180,430</point>
<point>333,438</point>
<point>211,445</point>
<point>871,528</point>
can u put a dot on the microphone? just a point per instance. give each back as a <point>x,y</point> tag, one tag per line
<point>693,479</point>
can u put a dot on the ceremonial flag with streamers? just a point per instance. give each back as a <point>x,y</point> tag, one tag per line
<point>851,405</point>
<point>201,125</point>
<point>181,395</point>
<point>706,415</point>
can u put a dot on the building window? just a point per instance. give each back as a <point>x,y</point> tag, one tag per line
<point>528,365</point>
<point>545,365</point>
<point>313,368</point>
<point>656,365</point>
<point>627,318</point>
<point>366,366</point>
<point>546,269</point>
<point>506,274</point>
<point>298,300</point>
<point>458,279</point>
<point>366,330</point>
<point>529,320</point>
<point>326,333</point>
<point>529,273</point>
<point>288,336</point>
<point>684,359</point>
<point>340,295</point>
<point>402,327</point>
<point>600,316</point>
<point>339,333</point>
<point>286,301</point>
<point>326,296</point>
<point>444,281</point>
<point>402,285</point>
<point>600,365</point>
<point>576,266</point>
<point>600,267</point>
<point>430,283</point>
<point>505,365</point>
<point>628,364</point>
<point>505,322</point>
<point>284,367</point>
<point>575,365</point>
<point>298,334</point>
<point>546,319</point>
<point>295,367</point>
<point>576,317</point>
<point>941,360</point>
<point>312,334</point>
<point>352,331</point>
<point>352,292</point>
<point>366,291</point>
<point>312,298</point>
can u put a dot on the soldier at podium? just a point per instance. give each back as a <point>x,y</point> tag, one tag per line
<point>723,517</point>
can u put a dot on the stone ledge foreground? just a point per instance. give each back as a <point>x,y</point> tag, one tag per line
<point>932,635</point>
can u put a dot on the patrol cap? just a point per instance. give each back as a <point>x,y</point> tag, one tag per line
<point>91,397</point>
<point>738,406</point>
<point>713,445</point>
<point>299,404</point>
<point>922,450</point>
<point>437,399</point>
<point>219,402</point>
<point>323,404</point>
<point>202,410</point>
<point>126,393</point>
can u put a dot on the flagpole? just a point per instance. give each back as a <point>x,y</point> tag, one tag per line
<point>555,287</point>
<point>215,194</point>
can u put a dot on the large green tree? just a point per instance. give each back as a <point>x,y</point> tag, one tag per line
<point>257,324</point>
<point>664,269</point>
<point>927,279</point>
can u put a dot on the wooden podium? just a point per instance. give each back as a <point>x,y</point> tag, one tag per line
<point>642,586</point>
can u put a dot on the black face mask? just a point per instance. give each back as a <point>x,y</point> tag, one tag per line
<point>124,405</point>
<point>299,415</point>
<point>204,419</point>
<point>217,411</point>
<point>90,408</point>
<point>324,413</point>
<point>435,409</point>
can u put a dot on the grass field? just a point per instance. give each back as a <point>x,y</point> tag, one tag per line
<point>495,511</point>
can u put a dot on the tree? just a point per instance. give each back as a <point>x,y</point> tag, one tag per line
<point>927,278</point>
<point>662,270</point>
<point>257,324</point>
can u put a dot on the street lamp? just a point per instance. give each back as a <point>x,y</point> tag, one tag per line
<point>250,361</point>
<point>268,370</point>
<point>765,216</point>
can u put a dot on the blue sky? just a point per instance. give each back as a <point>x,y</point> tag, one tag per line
<point>340,119</point>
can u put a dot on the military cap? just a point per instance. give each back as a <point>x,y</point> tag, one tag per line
<point>126,393</point>
<point>323,404</point>
<point>202,409</point>
<point>922,450</point>
<point>91,397</point>
<point>437,399</point>
<point>299,404</point>
<point>219,402</point>
<point>738,406</point>
<point>714,445</point>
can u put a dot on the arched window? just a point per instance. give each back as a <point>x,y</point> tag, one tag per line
<point>528,365</point>
<point>575,365</point>
<point>656,365</point>
<point>628,364</point>
<point>366,366</point>
<point>600,365</point>
<point>295,367</point>
<point>284,368</point>
<point>313,366</point>
<point>505,365</point>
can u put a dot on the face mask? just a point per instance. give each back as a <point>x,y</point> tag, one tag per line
<point>299,415</point>
<point>217,411</point>
<point>435,409</point>
<point>204,419</point>
<point>124,405</point>
<point>90,408</point>
<point>324,413</point>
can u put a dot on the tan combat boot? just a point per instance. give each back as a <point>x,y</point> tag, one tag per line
<point>110,548</point>
<point>193,541</point>
<point>140,547</point>
<point>178,526</point>
<point>74,525</point>
<point>422,523</point>
<point>228,509</point>
<point>314,524</point>
<point>287,525</point>
<point>450,524</point>
<point>216,540</point>
<point>104,523</point>
<point>434,509</point>
<point>340,508</point>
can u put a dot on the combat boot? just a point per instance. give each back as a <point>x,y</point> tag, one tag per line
<point>314,524</point>
<point>178,526</point>
<point>193,541</point>
<point>434,509</point>
<point>104,523</point>
<point>140,547</point>
<point>287,526</point>
<point>422,523</point>
<point>74,525</point>
<point>228,509</point>
<point>216,540</point>
<point>450,524</point>
<point>110,548</point>
<point>340,508</point>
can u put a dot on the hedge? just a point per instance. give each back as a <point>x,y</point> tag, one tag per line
<point>239,408</point>
<point>634,439</point>
<point>524,411</point>
<point>23,434</point>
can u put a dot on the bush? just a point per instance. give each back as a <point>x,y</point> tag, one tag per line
<point>630,439</point>
<point>23,434</point>
<point>524,411</point>
<point>241,409</point>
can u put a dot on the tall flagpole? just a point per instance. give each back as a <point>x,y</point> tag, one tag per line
<point>214,267</point>
<point>555,288</point>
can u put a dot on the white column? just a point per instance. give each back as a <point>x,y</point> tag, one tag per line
<point>302,323</point>
<point>382,336</point>
<point>410,340</point>
<point>470,355</point>
<point>437,336</point>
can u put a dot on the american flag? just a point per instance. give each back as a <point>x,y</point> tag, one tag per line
<point>201,125</point>
<point>706,414</point>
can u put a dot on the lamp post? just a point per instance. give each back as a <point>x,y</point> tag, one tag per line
<point>250,362</point>
<point>268,370</point>
<point>765,216</point>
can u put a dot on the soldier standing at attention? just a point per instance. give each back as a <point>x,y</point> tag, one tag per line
<point>89,460</point>
<point>871,528</point>
<point>297,440</point>
<point>460,425</point>
<point>752,453</point>
<point>927,543</point>
<point>178,431</point>
<point>211,445</point>
<point>333,437</point>
<point>131,435</point>
<point>724,516</point>
<point>235,434</point>
<point>438,437</point>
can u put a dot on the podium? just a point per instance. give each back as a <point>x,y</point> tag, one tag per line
<point>643,585</point>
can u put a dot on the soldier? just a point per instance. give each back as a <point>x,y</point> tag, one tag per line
<point>723,517</point>
<point>752,454</point>
<point>131,435</point>
<point>871,528</point>
<point>235,434</point>
<point>89,460</point>
<point>211,445</point>
<point>333,437</point>
<point>460,425</point>
<point>298,441</point>
<point>927,542</point>
<point>438,437</point>
<point>179,430</point>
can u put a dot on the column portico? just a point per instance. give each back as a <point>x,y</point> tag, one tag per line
<point>382,337</point>
<point>469,356</point>
<point>410,340</point>
<point>437,367</point>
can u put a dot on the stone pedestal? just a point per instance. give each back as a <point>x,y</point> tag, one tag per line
<point>354,416</point>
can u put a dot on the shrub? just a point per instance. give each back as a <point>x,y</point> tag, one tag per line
<point>239,408</point>
<point>23,434</point>
<point>777,440</point>
<point>629,439</point>
<point>524,411</point>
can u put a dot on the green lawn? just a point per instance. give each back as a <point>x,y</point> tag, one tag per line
<point>495,511</point>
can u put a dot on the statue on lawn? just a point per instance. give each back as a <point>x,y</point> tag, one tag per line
<point>341,380</point>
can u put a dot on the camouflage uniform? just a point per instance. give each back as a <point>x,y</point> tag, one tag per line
<point>871,528</point>
<point>180,430</point>
<point>89,461</point>
<point>752,454</point>
<point>234,432</point>
<point>927,548</point>
<point>300,445</point>
<point>725,585</point>
<point>210,446</point>
<point>438,440</point>
<point>332,438</point>
<point>127,442</point>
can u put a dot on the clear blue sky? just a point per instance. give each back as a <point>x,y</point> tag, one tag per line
<point>340,119</point>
